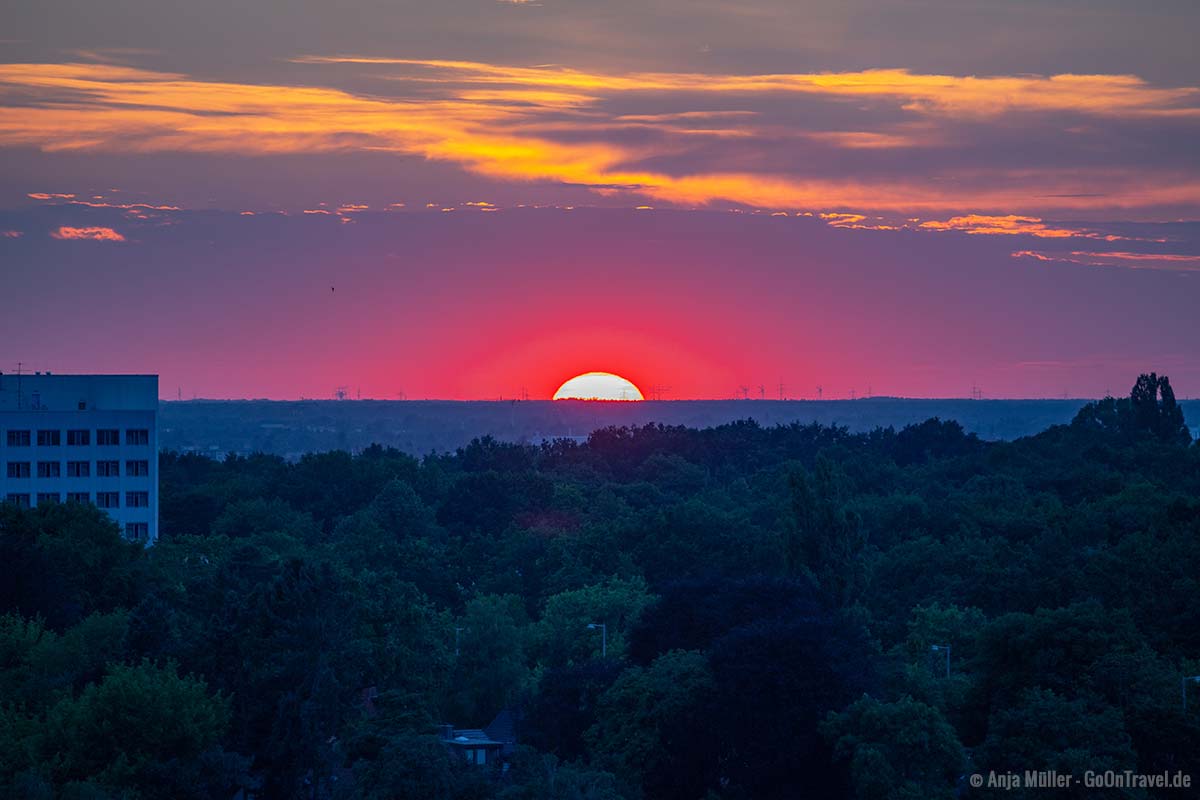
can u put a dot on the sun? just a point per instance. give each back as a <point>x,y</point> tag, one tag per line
<point>598,386</point>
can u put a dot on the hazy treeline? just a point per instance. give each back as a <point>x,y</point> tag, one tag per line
<point>772,595</point>
<point>419,427</point>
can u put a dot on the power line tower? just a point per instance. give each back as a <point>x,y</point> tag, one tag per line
<point>341,392</point>
<point>744,392</point>
<point>762,392</point>
<point>820,392</point>
<point>853,395</point>
<point>782,390</point>
<point>658,391</point>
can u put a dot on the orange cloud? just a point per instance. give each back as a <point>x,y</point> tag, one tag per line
<point>50,196</point>
<point>98,234</point>
<point>1174,262</point>
<point>1011,225</point>
<point>11,234</point>
<point>1104,95</point>
<point>493,120</point>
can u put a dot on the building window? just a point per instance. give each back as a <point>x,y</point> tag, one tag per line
<point>79,438</point>
<point>137,531</point>
<point>108,469</point>
<point>49,469</point>
<point>18,439</point>
<point>49,438</point>
<point>18,469</point>
<point>108,437</point>
<point>137,499</point>
<point>20,500</point>
<point>137,436</point>
<point>108,499</point>
<point>78,497</point>
<point>79,469</point>
<point>137,469</point>
<point>48,497</point>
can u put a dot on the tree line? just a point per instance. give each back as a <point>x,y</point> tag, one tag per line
<point>792,611</point>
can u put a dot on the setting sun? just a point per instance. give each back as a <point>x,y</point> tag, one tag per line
<point>598,386</point>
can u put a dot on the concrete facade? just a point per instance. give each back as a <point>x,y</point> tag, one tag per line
<point>86,438</point>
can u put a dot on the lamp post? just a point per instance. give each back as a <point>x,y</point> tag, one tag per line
<point>603,636</point>
<point>1183,687</point>
<point>943,648</point>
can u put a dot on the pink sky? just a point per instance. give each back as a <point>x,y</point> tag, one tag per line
<point>907,199</point>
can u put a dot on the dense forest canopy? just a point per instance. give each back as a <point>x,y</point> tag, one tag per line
<point>789,611</point>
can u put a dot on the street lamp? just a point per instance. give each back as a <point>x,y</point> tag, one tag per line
<point>1183,685</point>
<point>603,637</point>
<point>940,648</point>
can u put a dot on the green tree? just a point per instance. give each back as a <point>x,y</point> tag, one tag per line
<point>827,539</point>
<point>903,750</point>
<point>124,732</point>
<point>650,726</point>
<point>1043,730</point>
<point>490,669</point>
<point>563,636</point>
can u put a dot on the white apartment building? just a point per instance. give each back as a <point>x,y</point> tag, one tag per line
<point>83,438</point>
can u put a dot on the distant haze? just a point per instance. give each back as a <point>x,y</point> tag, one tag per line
<point>420,427</point>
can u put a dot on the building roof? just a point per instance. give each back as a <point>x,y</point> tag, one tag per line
<point>505,726</point>
<point>42,391</point>
<point>472,737</point>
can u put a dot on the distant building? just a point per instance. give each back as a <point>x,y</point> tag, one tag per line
<point>491,746</point>
<point>83,438</point>
<point>473,745</point>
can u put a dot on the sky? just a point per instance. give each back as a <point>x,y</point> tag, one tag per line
<point>475,199</point>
